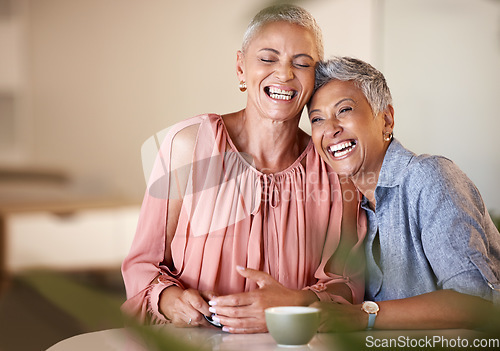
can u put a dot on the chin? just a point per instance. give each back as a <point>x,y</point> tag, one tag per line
<point>341,171</point>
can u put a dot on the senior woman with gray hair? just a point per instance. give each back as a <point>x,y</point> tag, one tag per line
<point>241,213</point>
<point>432,251</point>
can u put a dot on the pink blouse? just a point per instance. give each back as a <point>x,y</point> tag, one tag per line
<point>286,224</point>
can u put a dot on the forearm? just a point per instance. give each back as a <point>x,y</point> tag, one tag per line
<point>304,297</point>
<point>443,309</point>
<point>440,309</point>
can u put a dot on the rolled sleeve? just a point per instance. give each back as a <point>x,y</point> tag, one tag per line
<point>471,283</point>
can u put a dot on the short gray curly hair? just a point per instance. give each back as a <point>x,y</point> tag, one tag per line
<point>286,13</point>
<point>366,77</point>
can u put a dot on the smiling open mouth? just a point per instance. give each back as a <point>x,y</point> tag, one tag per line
<point>280,94</point>
<point>342,148</point>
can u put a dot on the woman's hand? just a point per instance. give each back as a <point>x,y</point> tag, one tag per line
<point>185,308</point>
<point>244,312</point>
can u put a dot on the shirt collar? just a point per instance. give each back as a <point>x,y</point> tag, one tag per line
<point>396,159</point>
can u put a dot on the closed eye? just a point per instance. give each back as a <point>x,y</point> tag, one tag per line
<point>315,119</point>
<point>344,110</point>
<point>267,60</point>
<point>302,65</point>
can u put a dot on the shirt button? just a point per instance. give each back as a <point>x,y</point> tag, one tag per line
<point>492,287</point>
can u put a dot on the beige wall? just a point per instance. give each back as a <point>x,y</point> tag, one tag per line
<point>107,74</point>
<point>442,62</point>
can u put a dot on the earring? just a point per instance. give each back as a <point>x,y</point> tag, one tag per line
<point>387,136</point>
<point>243,86</point>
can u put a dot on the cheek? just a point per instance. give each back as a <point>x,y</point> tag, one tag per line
<point>256,74</point>
<point>316,136</point>
<point>307,79</point>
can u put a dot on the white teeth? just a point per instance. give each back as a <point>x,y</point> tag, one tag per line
<point>342,153</point>
<point>274,90</point>
<point>280,97</point>
<point>340,146</point>
<point>280,94</point>
<point>342,149</point>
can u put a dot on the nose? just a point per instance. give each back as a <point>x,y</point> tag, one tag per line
<point>332,128</point>
<point>284,72</point>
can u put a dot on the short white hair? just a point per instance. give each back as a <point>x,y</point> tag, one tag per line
<point>286,13</point>
<point>366,77</point>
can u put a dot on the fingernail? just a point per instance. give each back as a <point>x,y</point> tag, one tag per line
<point>225,329</point>
<point>241,268</point>
<point>212,303</point>
<point>215,319</point>
<point>212,310</point>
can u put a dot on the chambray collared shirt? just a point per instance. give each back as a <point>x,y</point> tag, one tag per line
<point>430,231</point>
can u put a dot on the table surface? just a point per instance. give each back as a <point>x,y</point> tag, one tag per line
<point>214,339</point>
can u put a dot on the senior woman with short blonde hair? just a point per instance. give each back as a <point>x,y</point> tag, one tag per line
<point>241,213</point>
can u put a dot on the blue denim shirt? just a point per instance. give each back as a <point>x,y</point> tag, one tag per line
<point>430,231</point>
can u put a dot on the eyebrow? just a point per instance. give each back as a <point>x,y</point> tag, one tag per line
<point>278,53</point>
<point>336,105</point>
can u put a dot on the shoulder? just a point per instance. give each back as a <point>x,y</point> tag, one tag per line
<point>401,164</point>
<point>428,167</point>
<point>187,129</point>
<point>437,178</point>
<point>183,136</point>
<point>424,176</point>
<point>434,170</point>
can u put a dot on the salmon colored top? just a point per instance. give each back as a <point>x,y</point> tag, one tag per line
<point>286,224</point>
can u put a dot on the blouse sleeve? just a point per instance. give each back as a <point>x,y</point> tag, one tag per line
<point>144,271</point>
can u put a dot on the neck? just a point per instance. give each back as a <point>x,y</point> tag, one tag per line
<point>273,145</point>
<point>366,179</point>
<point>366,183</point>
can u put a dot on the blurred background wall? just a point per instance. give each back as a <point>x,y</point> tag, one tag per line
<point>83,83</point>
<point>98,77</point>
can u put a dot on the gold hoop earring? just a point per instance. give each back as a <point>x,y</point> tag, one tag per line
<point>387,136</point>
<point>243,86</point>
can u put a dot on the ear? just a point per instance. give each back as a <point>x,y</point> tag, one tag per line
<point>388,118</point>
<point>240,66</point>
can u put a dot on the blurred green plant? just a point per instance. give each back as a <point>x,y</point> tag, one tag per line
<point>93,308</point>
<point>97,310</point>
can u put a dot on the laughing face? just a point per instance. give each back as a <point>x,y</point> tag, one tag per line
<point>278,68</point>
<point>346,133</point>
